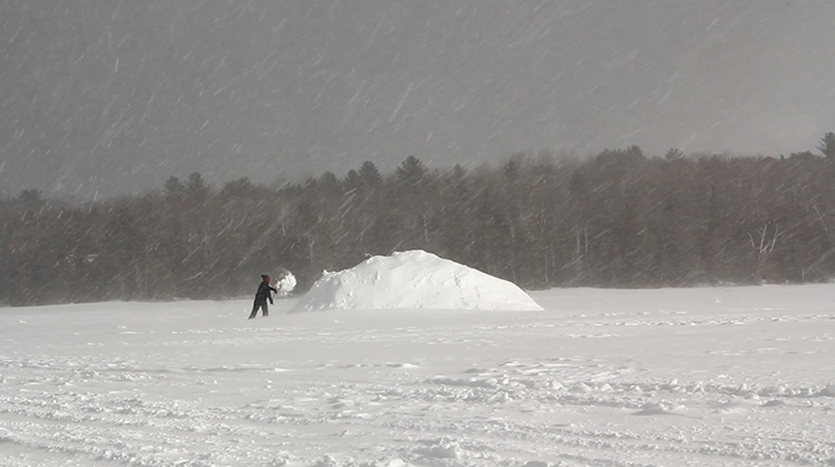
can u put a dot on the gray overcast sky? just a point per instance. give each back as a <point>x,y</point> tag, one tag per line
<point>116,96</point>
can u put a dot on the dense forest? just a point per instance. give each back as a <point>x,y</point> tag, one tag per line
<point>619,219</point>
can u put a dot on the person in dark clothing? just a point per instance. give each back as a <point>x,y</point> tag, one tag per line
<point>261,296</point>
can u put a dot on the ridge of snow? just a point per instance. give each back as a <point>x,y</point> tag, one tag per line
<point>410,280</point>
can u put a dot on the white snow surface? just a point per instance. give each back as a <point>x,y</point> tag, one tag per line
<point>612,378</point>
<point>413,279</point>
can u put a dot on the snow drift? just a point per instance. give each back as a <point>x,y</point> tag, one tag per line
<point>413,279</point>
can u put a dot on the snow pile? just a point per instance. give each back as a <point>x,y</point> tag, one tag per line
<point>413,279</point>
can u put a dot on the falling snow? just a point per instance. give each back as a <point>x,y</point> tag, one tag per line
<point>115,97</point>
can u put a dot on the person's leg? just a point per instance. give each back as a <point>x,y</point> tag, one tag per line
<point>254,310</point>
<point>265,310</point>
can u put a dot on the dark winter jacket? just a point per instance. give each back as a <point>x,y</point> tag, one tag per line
<point>263,293</point>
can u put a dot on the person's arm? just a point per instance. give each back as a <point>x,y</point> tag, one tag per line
<point>269,295</point>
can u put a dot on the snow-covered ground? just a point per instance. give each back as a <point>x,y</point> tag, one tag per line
<point>674,377</point>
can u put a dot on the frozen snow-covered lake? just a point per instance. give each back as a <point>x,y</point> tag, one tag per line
<point>699,377</point>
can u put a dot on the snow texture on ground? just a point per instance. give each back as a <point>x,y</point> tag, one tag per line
<point>698,377</point>
<point>413,279</point>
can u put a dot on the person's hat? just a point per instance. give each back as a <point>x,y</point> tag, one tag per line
<point>264,276</point>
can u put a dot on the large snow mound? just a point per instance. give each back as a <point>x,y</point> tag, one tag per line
<point>413,279</point>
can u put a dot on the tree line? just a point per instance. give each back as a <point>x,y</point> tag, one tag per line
<point>618,219</point>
